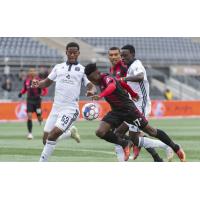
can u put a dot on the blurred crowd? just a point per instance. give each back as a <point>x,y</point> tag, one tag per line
<point>7,83</point>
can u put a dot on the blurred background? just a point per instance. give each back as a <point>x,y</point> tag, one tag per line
<point>172,63</point>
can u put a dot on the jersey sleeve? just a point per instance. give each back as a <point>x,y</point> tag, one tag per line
<point>137,68</point>
<point>24,89</point>
<point>85,80</point>
<point>108,80</point>
<point>52,76</point>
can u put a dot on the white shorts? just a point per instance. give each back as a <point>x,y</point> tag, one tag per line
<point>63,118</point>
<point>146,111</point>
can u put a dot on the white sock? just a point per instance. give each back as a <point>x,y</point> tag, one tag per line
<point>151,143</point>
<point>65,135</point>
<point>120,153</point>
<point>47,151</point>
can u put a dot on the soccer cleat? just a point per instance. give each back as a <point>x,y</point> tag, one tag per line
<point>169,153</point>
<point>136,152</point>
<point>181,154</point>
<point>126,153</point>
<point>29,136</point>
<point>74,134</point>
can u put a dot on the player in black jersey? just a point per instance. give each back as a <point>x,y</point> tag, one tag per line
<point>123,109</point>
<point>33,99</point>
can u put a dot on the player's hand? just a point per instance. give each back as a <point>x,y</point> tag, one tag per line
<point>20,95</point>
<point>35,83</point>
<point>95,97</point>
<point>89,93</point>
<point>136,98</point>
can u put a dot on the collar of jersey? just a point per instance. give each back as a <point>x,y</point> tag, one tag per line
<point>67,63</point>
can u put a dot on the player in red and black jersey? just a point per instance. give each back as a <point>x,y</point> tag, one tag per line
<point>119,70</point>
<point>123,109</point>
<point>33,99</point>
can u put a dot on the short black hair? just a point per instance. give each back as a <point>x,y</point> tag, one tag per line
<point>89,68</point>
<point>114,48</point>
<point>129,47</point>
<point>72,44</point>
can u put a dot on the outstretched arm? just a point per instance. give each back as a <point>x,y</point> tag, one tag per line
<point>91,89</point>
<point>41,84</point>
<point>109,90</point>
<point>133,94</point>
<point>135,78</point>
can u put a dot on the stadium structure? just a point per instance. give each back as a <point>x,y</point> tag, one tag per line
<point>171,62</point>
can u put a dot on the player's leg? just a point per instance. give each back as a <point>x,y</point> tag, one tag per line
<point>134,132</point>
<point>50,124</point>
<point>161,135</point>
<point>121,132</point>
<point>106,131</point>
<point>50,144</point>
<point>38,111</point>
<point>29,125</point>
<point>30,110</point>
<point>71,133</point>
<point>64,121</point>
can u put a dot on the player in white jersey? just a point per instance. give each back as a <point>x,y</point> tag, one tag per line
<point>68,76</point>
<point>137,78</point>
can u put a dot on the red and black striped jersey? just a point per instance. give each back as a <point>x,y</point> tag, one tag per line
<point>119,99</point>
<point>119,70</point>
<point>33,94</point>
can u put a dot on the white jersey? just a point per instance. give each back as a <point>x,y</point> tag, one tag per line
<point>69,79</point>
<point>142,88</point>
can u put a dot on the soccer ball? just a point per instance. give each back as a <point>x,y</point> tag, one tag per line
<point>90,111</point>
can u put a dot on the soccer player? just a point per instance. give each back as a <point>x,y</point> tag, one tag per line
<point>69,77</point>
<point>33,100</point>
<point>123,109</point>
<point>119,69</point>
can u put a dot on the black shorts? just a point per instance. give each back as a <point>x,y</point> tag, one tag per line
<point>135,117</point>
<point>34,107</point>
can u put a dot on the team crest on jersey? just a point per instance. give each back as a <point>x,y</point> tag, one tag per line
<point>68,76</point>
<point>108,80</point>
<point>77,69</point>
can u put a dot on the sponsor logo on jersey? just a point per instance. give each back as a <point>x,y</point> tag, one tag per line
<point>77,69</point>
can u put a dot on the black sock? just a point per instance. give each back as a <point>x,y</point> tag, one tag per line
<point>161,135</point>
<point>154,154</point>
<point>29,125</point>
<point>112,138</point>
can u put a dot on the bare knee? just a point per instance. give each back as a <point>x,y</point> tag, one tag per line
<point>103,128</point>
<point>54,134</point>
<point>100,133</point>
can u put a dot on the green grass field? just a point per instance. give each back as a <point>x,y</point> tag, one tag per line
<point>15,147</point>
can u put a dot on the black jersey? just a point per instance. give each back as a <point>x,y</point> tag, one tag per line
<point>119,100</point>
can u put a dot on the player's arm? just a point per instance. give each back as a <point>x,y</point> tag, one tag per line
<point>135,78</point>
<point>41,84</point>
<point>133,94</point>
<point>47,81</point>
<point>135,73</point>
<point>106,92</point>
<point>91,89</point>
